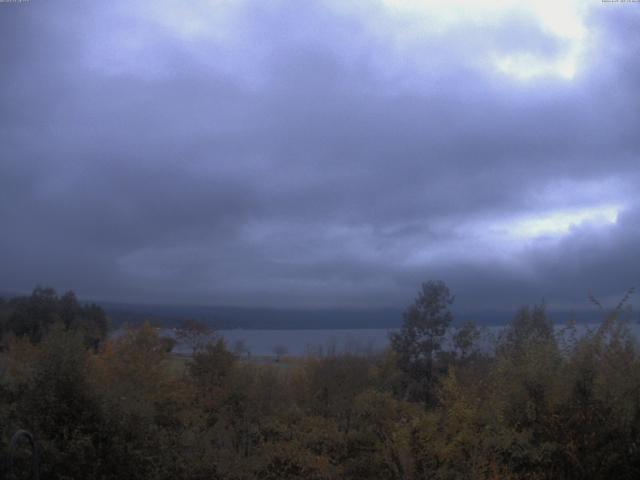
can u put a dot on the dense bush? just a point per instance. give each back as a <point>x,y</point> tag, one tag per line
<point>542,405</point>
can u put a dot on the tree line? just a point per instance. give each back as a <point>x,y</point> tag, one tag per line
<point>541,403</point>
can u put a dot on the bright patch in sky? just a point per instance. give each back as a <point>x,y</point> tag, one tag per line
<point>219,20</point>
<point>562,20</point>
<point>561,223</point>
<point>200,18</point>
<point>526,66</point>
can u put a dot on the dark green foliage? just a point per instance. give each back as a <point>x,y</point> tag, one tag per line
<point>420,340</point>
<point>211,365</point>
<point>33,316</point>
<point>528,328</point>
<point>465,341</point>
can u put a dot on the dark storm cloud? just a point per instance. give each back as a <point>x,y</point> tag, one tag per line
<point>304,156</point>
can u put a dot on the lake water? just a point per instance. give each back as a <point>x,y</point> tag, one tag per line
<point>301,342</point>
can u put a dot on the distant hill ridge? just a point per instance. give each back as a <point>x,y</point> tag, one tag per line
<point>269,318</point>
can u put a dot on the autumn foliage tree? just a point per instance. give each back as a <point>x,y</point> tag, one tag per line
<point>421,338</point>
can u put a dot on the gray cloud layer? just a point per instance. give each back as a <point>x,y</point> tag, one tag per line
<point>301,154</point>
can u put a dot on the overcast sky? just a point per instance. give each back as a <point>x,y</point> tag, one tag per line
<point>320,153</point>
